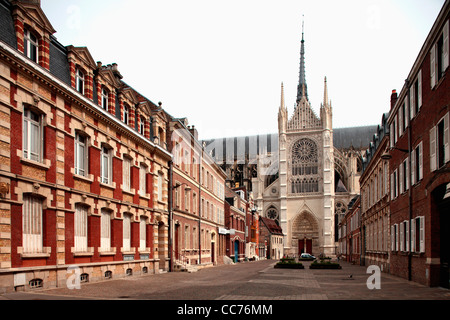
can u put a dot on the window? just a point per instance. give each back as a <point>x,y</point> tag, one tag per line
<point>186,199</point>
<point>81,155</point>
<point>32,240</point>
<point>79,81</point>
<point>126,173</point>
<point>142,125</point>
<point>80,222</point>
<point>143,180</point>
<point>106,165</point>
<point>394,184</point>
<point>160,186</point>
<point>125,114</point>
<point>418,234</point>
<point>394,237</point>
<point>30,45</point>
<point>416,164</point>
<point>105,99</point>
<point>415,96</point>
<point>439,143</point>
<point>126,232</point>
<point>142,233</point>
<point>403,176</point>
<point>32,135</point>
<point>186,237</point>
<point>439,59</point>
<point>105,236</point>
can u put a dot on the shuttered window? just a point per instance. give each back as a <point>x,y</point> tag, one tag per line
<point>80,226</point>
<point>143,180</point>
<point>126,232</point>
<point>105,237</point>
<point>142,233</point>
<point>126,174</point>
<point>32,240</point>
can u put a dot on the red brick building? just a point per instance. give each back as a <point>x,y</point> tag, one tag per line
<point>375,197</point>
<point>420,164</point>
<point>235,223</point>
<point>197,203</point>
<point>272,234</point>
<point>83,180</point>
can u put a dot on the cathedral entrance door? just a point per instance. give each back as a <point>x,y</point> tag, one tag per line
<point>304,246</point>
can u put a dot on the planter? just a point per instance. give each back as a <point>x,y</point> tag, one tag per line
<point>325,265</point>
<point>289,266</point>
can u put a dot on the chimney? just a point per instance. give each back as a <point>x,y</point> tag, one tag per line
<point>194,132</point>
<point>393,98</point>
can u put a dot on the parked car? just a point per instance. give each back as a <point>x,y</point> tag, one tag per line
<point>307,256</point>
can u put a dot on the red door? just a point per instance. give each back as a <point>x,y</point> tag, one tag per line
<point>305,246</point>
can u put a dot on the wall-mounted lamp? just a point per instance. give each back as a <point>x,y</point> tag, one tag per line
<point>387,155</point>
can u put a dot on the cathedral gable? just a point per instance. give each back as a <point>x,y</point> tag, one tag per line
<point>303,118</point>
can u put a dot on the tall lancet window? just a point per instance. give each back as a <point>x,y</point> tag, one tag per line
<point>305,167</point>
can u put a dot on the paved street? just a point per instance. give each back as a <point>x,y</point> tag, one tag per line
<point>246,281</point>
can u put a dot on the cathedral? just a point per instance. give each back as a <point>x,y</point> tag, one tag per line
<point>304,176</point>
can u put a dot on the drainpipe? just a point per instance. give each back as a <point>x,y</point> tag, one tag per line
<point>410,187</point>
<point>170,216</point>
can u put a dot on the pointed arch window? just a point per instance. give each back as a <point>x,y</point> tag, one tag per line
<point>304,166</point>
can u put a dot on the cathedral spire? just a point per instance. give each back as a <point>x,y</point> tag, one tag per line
<point>325,93</point>
<point>302,88</point>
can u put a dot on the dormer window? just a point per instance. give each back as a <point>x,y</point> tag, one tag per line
<point>104,99</point>
<point>142,125</point>
<point>125,114</point>
<point>30,44</point>
<point>79,81</point>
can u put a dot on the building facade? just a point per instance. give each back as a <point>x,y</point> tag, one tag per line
<point>375,198</point>
<point>197,204</point>
<point>420,164</point>
<point>83,183</point>
<point>272,234</point>
<point>350,237</point>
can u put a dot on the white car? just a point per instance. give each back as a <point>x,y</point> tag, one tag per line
<point>307,256</point>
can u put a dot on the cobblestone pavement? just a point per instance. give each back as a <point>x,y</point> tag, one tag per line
<point>257,280</point>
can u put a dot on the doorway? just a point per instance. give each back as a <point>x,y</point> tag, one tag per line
<point>304,246</point>
<point>236,251</point>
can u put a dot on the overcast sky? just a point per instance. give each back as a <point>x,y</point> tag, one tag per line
<point>221,63</point>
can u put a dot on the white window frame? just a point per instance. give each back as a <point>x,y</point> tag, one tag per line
<point>141,125</point>
<point>32,224</point>
<point>31,45</point>
<point>79,80</point>
<point>105,99</point>
<point>126,114</point>
<point>106,165</point>
<point>32,135</point>
<point>81,155</point>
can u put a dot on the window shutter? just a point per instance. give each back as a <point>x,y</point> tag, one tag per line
<point>411,102</point>
<point>445,44</point>
<point>392,185</point>
<point>407,173</point>
<point>400,121</point>
<point>413,235</point>
<point>105,231</point>
<point>142,234</point>
<point>392,238</point>
<point>446,138</point>
<point>402,231</point>
<point>406,236</point>
<point>397,237</point>
<point>419,89</point>
<point>391,135</point>
<point>422,234</point>
<point>433,157</point>
<point>420,162</point>
<point>433,66</point>
<point>126,232</point>
<point>413,167</point>
<point>400,179</point>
